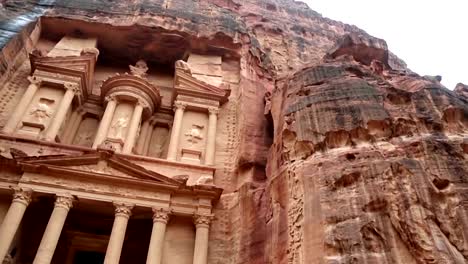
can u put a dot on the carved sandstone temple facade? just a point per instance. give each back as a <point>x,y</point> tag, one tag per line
<point>107,164</point>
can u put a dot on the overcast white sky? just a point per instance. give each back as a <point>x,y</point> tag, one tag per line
<point>431,36</point>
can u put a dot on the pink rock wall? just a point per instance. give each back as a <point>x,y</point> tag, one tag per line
<point>334,152</point>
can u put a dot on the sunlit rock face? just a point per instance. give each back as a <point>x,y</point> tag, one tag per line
<point>375,164</point>
<point>330,150</point>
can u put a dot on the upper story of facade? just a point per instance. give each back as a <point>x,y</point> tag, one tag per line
<point>161,111</point>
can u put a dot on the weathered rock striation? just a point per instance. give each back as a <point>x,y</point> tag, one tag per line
<point>332,151</point>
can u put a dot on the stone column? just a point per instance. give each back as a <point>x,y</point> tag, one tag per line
<point>114,248</point>
<point>133,128</point>
<point>176,127</point>
<point>65,103</point>
<point>142,138</point>
<point>211,136</point>
<point>49,241</point>
<point>22,106</point>
<point>12,220</point>
<point>202,224</point>
<point>105,121</point>
<point>155,251</point>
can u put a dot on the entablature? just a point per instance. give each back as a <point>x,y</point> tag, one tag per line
<point>103,176</point>
<point>193,174</point>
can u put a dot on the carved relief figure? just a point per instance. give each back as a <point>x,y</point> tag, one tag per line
<point>194,134</point>
<point>140,69</point>
<point>119,126</point>
<point>42,110</point>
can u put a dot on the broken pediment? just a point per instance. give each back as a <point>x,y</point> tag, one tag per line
<point>186,84</point>
<point>74,67</point>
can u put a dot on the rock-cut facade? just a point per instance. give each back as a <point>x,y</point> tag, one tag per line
<point>221,132</point>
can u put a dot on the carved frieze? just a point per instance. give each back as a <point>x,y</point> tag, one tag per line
<point>198,102</point>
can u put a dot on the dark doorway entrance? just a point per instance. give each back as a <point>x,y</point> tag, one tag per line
<point>88,257</point>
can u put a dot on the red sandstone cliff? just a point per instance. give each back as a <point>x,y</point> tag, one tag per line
<point>348,159</point>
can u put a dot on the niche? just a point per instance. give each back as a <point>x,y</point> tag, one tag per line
<point>86,132</point>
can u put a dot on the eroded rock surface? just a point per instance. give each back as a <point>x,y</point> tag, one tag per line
<point>378,157</point>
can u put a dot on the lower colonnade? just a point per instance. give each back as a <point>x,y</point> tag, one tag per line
<point>122,213</point>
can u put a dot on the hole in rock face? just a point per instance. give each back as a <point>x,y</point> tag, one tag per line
<point>337,139</point>
<point>379,128</point>
<point>271,7</point>
<point>376,205</point>
<point>465,147</point>
<point>350,156</point>
<point>399,98</point>
<point>347,179</point>
<point>270,130</point>
<point>441,184</point>
<point>318,83</point>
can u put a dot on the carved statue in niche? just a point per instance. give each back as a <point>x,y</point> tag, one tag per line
<point>42,110</point>
<point>194,134</point>
<point>140,69</point>
<point>119,126</point>
<point>184,66</point>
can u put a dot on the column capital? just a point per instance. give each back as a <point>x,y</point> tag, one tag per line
<point>213,110</point>
<point>64,201</point>
<point>109,98</point>
<point>180,105</point>
<point>22,195</point>
<point>161,215</point>
<point>141,102</point>
<point>202,220</point>
<point>123,209</point>
<point>35,80</point>
<point>74,87</point>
